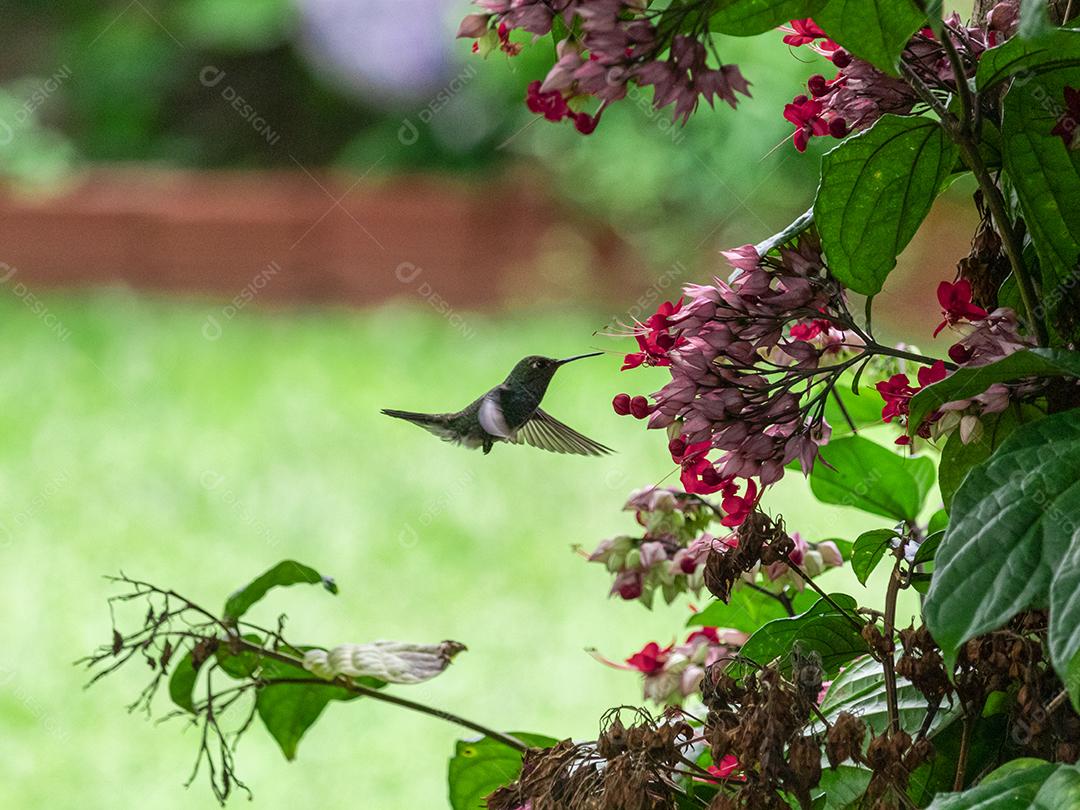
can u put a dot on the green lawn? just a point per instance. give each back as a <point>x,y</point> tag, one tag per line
<point>131,441</point>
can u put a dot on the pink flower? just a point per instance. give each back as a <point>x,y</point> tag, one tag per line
<point>805,114</point>
<point>956,306</point>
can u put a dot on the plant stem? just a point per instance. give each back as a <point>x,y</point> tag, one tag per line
<point>805,578</point>
<point>888,662</point>
<point>959,132</point>
<point>375,694</point>
<point>961,759</point>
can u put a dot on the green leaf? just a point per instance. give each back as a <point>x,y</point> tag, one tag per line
<point>965,383</point>
<point>863,409</point>
<point>957,458</point>
<point>822,629</point>
<point>239,665</point>
<point>802,223</point>
<point>479,767</point>
<point>870,547</point>
<point>287,572</point>
<point>860,690</point>
<point>182,683</point>
<point>1062,789</point>
<point>872,478</point>
<point>1014,543</point>
<point>876,189</point>
<point>1059,49</point>
<point>748,17</point>
<point>874,30</point>
<point>1014,791</point>
<point>748,610</point>
<point>983,751</point>
<point>843,786</point>
<point>928,548</point>
<point>288,710</point>
<point>939,521</point>
<point>1045,176</point>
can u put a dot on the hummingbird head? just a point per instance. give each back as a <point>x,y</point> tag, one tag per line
<point>535,372</point>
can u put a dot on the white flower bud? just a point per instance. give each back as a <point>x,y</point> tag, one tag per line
<point>390,661</point>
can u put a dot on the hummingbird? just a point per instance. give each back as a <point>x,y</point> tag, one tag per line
<point>510,412</point>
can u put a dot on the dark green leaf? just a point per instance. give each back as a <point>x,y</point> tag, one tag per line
<point>870,547</point>
<point>983,751</point>
<point>749,17</point>
<point>1059,49</point>
<point>287,572</point>
<point>1045,176</point>
<point>876,189</point>
<point>872,478</point>
<point>1016,790</point>
<point>1061,789</point>
<point>965,383</point>
<point>288,710</point>
<point>874,30</point>
<point>822,629</point>
<point>957,458</point>
<point>182,683</point>
<point>1014,543</point>
<point>748,610</point>
<point>481,766</point>
<point>928,549</point>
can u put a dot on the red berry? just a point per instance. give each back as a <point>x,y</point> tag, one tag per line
<point>640,407</point>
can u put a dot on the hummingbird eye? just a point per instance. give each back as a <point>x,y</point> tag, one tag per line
<point>536,364</point>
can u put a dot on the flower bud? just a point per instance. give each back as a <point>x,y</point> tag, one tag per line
<point>621,404</point>
<point>640,407</point>
<point>473,26</point>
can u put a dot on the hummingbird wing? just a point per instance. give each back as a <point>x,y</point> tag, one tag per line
<point>546,432</point>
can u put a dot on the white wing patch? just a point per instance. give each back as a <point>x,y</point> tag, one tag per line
<point>492,419</point>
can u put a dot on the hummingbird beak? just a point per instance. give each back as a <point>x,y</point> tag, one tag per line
<point>577,357</point>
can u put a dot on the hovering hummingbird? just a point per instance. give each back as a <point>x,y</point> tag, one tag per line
<point>510,412</point>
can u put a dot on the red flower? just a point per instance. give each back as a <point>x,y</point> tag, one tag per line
<point>956,306</point>
<point>928,375</point>
<point>805,32</point>
<point>707,633</point>
<point>1067,124</point>
<point>657,340</point>
<point>699,476</point>
<point>728,765</point>
<point>896,391</point>
<point>739,507</point>
<point>551,105</point>
<point>650,659</point>
<point>805,114</point>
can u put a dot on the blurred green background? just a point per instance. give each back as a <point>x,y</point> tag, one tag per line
<point>130,441</point>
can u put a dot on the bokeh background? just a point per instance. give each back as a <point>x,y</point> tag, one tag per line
<point>230,232</point>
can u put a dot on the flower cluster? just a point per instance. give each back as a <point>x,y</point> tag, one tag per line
<point>668,556</point>
<point>752,361</point>
<point>619,42</point>
<point>859,94</point>
<point>674,672</point>
<point>988,337</point>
